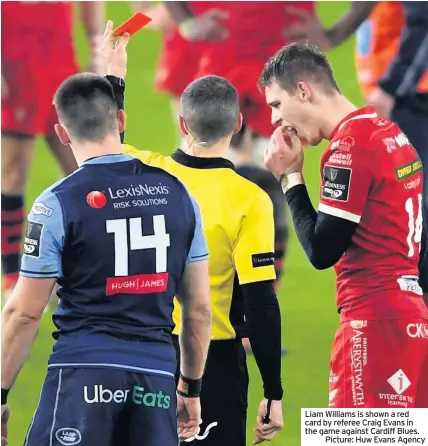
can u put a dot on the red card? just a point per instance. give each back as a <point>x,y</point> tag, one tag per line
<point>132,25</point>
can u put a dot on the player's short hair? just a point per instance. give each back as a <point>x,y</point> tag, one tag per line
<point>299,62</point>
<point>86,106</point>
<point>210,107</point>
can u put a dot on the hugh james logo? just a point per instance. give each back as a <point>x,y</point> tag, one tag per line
<point>68,436</point>
<point>138,191</point>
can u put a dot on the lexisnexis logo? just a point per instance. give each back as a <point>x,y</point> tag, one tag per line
<point>138,191</point>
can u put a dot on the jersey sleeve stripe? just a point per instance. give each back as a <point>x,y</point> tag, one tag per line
<point>335,212</point>
<point>199,257</point>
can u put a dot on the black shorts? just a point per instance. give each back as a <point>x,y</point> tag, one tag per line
<point>224,396</point>
<point>104,407</point>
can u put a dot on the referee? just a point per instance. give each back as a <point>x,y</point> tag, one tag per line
<point>239,227</point>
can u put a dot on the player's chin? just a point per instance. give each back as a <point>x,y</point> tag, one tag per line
<point>311,142</point>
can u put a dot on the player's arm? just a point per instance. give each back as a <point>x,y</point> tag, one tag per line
<point>411,60</point>
<point>349,22</point>
<point>194,299</point>
<point>324,235</point>
<point>310,28</point>
<point>254,263</point>
<point>93,18</point>
<point>115,58</point>
<point>41,265</point>
<point>207,27</point>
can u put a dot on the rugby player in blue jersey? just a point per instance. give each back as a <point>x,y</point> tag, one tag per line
<point>121,239</point>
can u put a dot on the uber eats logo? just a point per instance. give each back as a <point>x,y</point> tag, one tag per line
<point>100,395</point>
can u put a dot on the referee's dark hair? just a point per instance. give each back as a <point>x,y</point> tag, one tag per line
<point>210,109</point>
<point>86,107</point>
<point>299,62</point>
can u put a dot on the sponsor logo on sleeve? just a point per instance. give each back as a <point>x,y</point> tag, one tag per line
<point>392,142</point>
<point>263,259</point>
<point>40,208</point>
<point>337,181</point>
<point>32,238</point>
<point>408,170</point>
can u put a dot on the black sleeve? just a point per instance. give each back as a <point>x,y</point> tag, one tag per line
<point>410,63</point>
<point>118,86</point>
<point>323,237</point>
<point>263,320</point>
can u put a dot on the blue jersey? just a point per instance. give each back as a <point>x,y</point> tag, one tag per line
<point>117,234</point>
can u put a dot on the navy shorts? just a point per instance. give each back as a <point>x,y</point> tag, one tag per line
<point>104,407</point>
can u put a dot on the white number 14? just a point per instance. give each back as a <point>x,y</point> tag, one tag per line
<point>415,225</point>
<point>160,241</point>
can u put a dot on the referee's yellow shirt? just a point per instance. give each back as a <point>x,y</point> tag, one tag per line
<point>239,228</point>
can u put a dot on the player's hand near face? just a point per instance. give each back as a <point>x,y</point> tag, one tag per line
<point>5,413</point>
<point>207,27</point>
<point>309,28</point>
<point>266,431</point>
<point>189,416</point>
<point>284,155</point>
<point>114,52</point>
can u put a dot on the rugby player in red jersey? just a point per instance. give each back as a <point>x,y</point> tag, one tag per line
<point>182,47</point>
<point>37,55</point>
<point>256,31</point>
<point>369,225</point>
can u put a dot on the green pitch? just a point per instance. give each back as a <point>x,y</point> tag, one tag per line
<point>306,295</point>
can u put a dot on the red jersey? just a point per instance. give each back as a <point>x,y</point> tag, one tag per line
<point>35,20</point>
<point>256,28</point>
<point>372,175</point>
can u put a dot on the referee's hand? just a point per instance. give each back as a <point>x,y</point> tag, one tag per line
<point>265,432</point>
<point>188,416</point>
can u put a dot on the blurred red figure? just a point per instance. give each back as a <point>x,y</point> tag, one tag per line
<point>179,59</point>
<point>37,55</point>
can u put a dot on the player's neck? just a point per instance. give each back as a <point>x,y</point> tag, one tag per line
<point>219,150</point>
<point>334,112</point>
<point>87,150</point>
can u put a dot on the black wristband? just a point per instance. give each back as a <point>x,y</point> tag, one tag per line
<point>4,393</point>
<point>190,388</point>
<point>116,81</point>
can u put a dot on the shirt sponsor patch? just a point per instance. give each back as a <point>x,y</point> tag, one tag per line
<point>263,259</point>
<point>408,170</point>
<point>40,208</point>
<point>32,238</point>
<point>336,183</point>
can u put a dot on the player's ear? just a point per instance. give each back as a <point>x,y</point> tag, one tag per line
<point>182,124</point>
<point>238,124</point>
<point>121,120</point>
<point>62,134</point>
<point>304,92</point>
